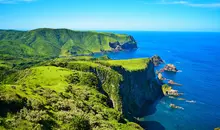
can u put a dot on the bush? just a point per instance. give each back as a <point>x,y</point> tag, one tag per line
<point>74,78</point>
<point>80,123</point>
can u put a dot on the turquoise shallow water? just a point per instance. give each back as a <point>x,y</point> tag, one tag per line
<point>197,54</point>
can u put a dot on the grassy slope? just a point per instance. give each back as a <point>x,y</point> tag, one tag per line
<point>46,76</point>
<point>130,65</point>
<point>48,96</point>
<point>56,42</point>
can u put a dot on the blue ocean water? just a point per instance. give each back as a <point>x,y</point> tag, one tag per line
<point>197,54</point>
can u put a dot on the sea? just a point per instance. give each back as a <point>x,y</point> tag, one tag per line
<point>197,56</point>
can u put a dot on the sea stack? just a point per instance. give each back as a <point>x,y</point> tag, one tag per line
<point>157,60</point>
<point>170,68</point>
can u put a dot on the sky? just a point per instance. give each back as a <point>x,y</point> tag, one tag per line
<point>132,15</point>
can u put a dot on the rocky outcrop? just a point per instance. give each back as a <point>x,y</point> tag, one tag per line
<point>171,82</point>
<point>169,68</point>
<point>173,106</point>
<point>173,92</point>
<point>157,60</point>
<point>160,76</point>
<point>114,45</point>
<point>128,45</point>
<point>168,91</point>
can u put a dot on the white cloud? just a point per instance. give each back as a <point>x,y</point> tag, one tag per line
<point>211,5</point>
<point>14,1</point>
<point>186,3</point>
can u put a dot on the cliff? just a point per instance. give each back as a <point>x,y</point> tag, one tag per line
<point>61,42</point>
<point>130,84</point>
<point>139,87</point>
<point>99,93</point>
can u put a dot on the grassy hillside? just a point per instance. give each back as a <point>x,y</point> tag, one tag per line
<point>59,42</point>
<point>78,93</point>
<point>130,65</point>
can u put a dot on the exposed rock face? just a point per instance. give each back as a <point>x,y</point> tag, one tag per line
<point>129,45</point>
<point>138,90</point>
<point>160,76</point>
<point>171,82</point>
<point>173,92</point>
<point>114,44</point>
<point>157,60</point>
<point>170,68</point>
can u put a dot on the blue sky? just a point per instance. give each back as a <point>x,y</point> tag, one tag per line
<point>156,15</point>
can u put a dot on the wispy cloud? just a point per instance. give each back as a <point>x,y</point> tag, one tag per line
<point>187,3</point>
<point>14,1</point>
<point>210,5</point>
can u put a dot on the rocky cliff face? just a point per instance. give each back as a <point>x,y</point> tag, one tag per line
<point>138,89</point>
<point>127,45</point>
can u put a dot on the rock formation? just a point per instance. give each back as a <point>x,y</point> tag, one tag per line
<point>129,45</point>
<point>169,68</point>
<point>176,107</point>
<point>171,82</point>
<point>157,60</point>
<point>160,76</point>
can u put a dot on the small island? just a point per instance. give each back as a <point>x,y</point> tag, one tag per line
<point>169,68</point>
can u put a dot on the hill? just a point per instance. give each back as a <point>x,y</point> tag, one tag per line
<point>60,42</point>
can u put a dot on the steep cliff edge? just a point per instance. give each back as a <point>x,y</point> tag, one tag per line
<point>139,87</point>
<point>131,84</point>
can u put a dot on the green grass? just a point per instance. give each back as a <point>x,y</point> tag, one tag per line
<point>88,63</point>
<point>48,96</point>
<point>130,65</point>
<point>109,78</point>
<point>46,76</point>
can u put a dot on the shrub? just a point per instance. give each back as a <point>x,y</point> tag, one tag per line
<point>80,123</point>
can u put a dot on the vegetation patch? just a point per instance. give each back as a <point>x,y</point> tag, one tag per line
<point>130,65</point>
<point>63,94</point>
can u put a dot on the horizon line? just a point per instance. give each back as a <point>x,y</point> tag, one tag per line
<point>129,30</point>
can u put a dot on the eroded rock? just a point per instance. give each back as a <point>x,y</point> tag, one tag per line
<point>176,107</point>
<point>157,60</point>
<point>169,68</point>
<point>171,82</point>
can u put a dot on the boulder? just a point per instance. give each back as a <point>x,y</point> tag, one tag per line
<point>160,76</point>
<point>176,107</point>
<point>173,92</point>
